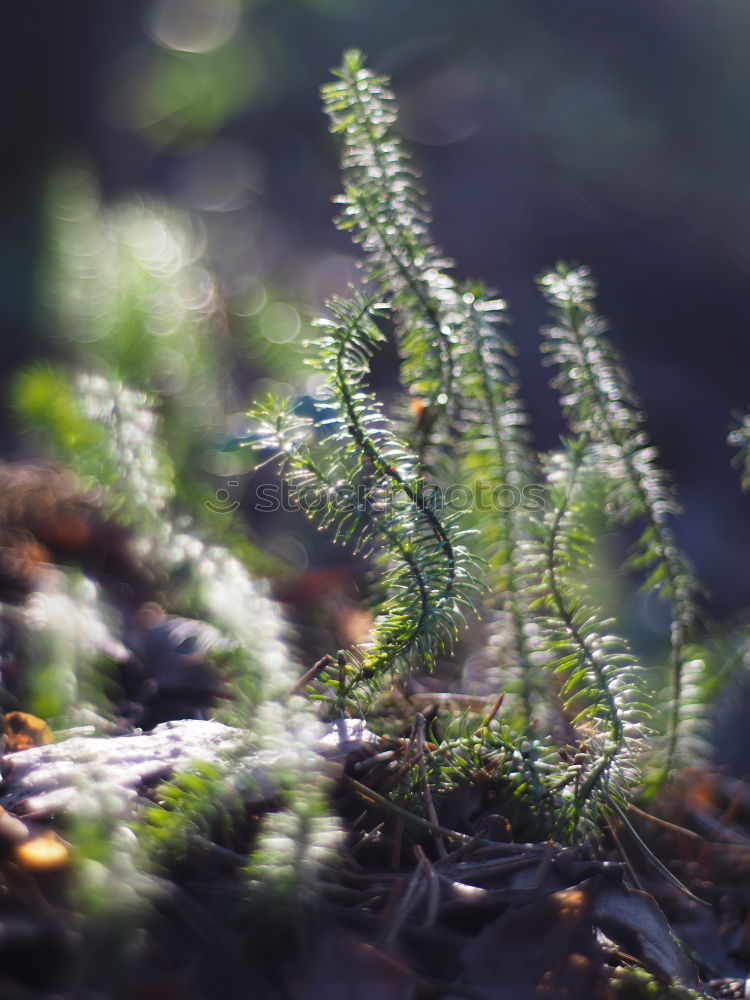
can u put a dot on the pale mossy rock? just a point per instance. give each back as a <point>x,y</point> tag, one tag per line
<point>42,782</point>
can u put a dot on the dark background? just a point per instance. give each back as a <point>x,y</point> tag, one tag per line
<point>614,135</point>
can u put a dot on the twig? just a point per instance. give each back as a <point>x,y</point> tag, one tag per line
<point>433,887</point>
<point>544,865</point>
<point>429,804</point>
<point>309,676</point>
<point>659,865</point>
<point>625,858</point>
<point>368,794</point>
<point>366,838</point>
<point>483,844</point>
<point>398,835</point>
<point>493,711</point>
<point>462,850</point>
<point>672,827</point>
<point>408,900</point>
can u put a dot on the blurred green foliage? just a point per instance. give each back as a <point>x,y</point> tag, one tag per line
<point>128,293</point>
